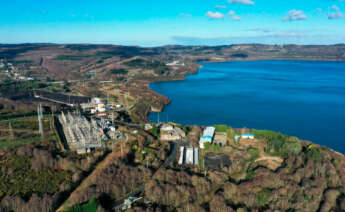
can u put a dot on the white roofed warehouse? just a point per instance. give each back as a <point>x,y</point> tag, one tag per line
<point>207,136</point>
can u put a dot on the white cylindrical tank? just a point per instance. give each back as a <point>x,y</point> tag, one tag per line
<point>189,155</point>
<point>180,160</point>
<point>196,156</point>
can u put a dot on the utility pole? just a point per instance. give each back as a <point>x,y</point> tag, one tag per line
<point>11,131</point>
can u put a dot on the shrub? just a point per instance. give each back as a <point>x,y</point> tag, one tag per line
<point>207,145</point>
<point>154,131</point>
<point>221,128</point>
<point>71,57</point>
<point>279,144</point>
<point>216,147</point>
<point>240,55</point>
<point>313,153</point>
<point>254,154</point>
<point>264,197</point>
<point>293,145</point>
<point>18,177</point>
<point>118,71</point>
<point>250,174</point>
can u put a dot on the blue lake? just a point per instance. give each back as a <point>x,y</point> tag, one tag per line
<point>301,98</point>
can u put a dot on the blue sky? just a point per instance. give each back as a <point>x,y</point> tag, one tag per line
<point>161,22</point>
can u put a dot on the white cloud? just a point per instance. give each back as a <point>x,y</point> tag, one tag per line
<point>241,2</point>
<point>336,13</point>
<point>295,15</point>
<point>234,16</point>
<point>214,15</point>
<point>220,6</point>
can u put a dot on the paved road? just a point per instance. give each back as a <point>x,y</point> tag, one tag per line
<point>126,124</point>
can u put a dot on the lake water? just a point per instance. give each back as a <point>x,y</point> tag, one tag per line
<point>300,98</point>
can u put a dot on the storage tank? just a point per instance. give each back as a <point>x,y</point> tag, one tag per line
<point>196,156</point>
<point>180,160</point>
<point>189,155</point>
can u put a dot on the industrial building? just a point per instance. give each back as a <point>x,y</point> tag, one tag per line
<point>171,133</point>
<point>220,138</point>
<point>95,106</point>
<point>82,135</point>
<point>207,137</point>
<point>188,155</point>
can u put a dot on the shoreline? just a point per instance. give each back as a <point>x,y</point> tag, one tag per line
<point>198,70</point>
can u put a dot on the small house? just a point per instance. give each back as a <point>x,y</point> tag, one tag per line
<point>220,138</point>
<point>180,132</point>
<point>166,127</point>
<point>170,135</point>
<point>148,127</point>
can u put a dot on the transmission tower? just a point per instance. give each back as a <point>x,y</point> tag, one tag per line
<point>40,117</point>
<point>11,131</point>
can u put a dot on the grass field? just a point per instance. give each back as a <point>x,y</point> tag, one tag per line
<point>223,128</point>
<point>25,130</point>
<point>91,206</point>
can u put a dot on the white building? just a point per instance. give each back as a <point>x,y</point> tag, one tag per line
<point>175,63</point>
<point>196,156</point>
<point>112,128</point>
<point>100,107</point>
<point>166,127</point>
<point>207,136</point>
<point>148,126</point>
<point>180,160</point>
<point>189,155</point>
<point>96,100</point>
<point>247,136</point>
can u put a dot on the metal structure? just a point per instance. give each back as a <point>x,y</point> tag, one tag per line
<point>11,130</point>
<point>82,135</point>
<point>40,118</point>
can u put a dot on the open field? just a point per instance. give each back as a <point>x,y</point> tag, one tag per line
<point>25,130</point>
